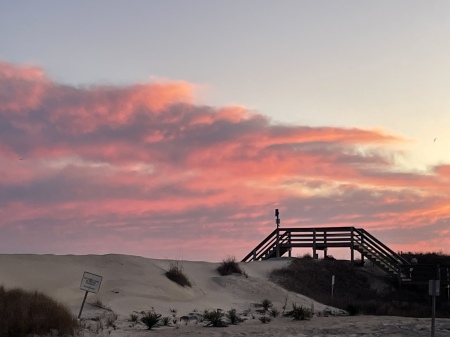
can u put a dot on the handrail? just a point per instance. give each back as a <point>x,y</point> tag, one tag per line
<point>400,259</point>
<point>252,253</point>
<point>328,236</point>
<point>354,238</point>
<point>391,260</point>
<point>378,250</point>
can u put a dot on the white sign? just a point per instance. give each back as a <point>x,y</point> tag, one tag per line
<point>434,287</point>
<point>91,282</point>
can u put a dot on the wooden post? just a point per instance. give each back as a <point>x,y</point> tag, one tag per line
<point>325,249</point>
<point>433,290</point>
<point>332,286</point>
<point>290,244</point>
<point>448,285</point>
<point>433,315</point>
<point>314,244</point>
<point>352,252</point>
<point>362,249</point>
<point>82,304</point>
<point>277,221</point>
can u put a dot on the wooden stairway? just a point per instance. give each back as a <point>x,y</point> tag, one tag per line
<point>282,240</point>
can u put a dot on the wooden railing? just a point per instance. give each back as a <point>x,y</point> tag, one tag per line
<point>282,240</point>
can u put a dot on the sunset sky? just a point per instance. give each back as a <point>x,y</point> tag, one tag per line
<point>173,129</point>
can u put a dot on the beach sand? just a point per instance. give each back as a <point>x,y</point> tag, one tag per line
<point>132,285</point>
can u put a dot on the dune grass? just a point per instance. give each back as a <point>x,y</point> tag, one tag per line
<point>176,274</point>
<point>354,289</point>
<point>23,313</point>
<point>229,266</point>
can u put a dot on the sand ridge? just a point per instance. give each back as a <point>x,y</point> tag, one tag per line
<point>133,284</point>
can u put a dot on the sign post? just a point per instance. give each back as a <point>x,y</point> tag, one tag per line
<point>332,285</point>
<point>434,287</point>
<point>277,214</point>
<point>91,284</point>
<point>448,285</point>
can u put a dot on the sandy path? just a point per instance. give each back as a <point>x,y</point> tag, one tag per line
<point>284,327</point>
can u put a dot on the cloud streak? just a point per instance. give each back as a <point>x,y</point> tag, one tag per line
<point>144,169</point>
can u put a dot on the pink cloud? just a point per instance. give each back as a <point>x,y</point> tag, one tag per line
<point>114,165</point>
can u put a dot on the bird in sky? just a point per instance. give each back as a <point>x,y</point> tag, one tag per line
<point>434,141</point>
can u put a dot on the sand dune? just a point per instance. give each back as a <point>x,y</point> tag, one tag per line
<point>134,284</point>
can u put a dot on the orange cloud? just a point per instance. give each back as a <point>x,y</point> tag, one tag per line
<point>21,87</point>
<point>121,162</point>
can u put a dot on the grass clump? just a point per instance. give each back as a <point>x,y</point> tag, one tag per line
<point>214,318</point>
<point>134,318</point>
<point>274,312</point>
<point>229,266</point>
<point>232,316</point>
<point>366,290</point>
<point>24,313</point>
<point>265,319</point>
<point>165,321</point>
<point>299,313</point>
<point>266,304</point>
<point>151,319</point>
<point>176,274</point>
<point>353,310</point>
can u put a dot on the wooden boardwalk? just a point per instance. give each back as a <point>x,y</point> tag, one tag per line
<point>282,240</point>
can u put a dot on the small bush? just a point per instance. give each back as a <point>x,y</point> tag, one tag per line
<point>165,321</point>
<point>110,320</point>
<point>175,274</point>
<point>232,316</point>
<point>266,304</point>
<point>355,287</point>
<point>265,319</point>
<point>98,303</point>
<point>274,312</point>
<point>214,318</point>
<point>134,318</point>
<point>25,312</point>
<point>151,319</point>
<point>229,266</point>
<point>299,313</point>
<point>353,310</point>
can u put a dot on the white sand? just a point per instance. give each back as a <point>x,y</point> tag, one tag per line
<point>133,284</point>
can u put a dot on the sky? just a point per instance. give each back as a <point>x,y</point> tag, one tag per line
<point>173,129</point>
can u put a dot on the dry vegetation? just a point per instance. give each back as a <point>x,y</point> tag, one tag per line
<point>229,267</point>
<point>176,274</point>
<point>23,313</point>
<point>354,289</point>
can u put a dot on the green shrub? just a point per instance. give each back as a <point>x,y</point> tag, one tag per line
<point>312,278</point>
<point>25,312</point>
<point>265,319</point>
<point>274,312</point>
<point>175,274</point>
<point>165,321</point>
<point>134,318</point>
<point>232,316</point>
<point>299,313</point>
<point>151,319</point>
<point>214,318</point>
<point>307,256</point>
<point>266,304</point>
<point>353,310</point>
<point>110,320</point>
<point>229,266</point>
